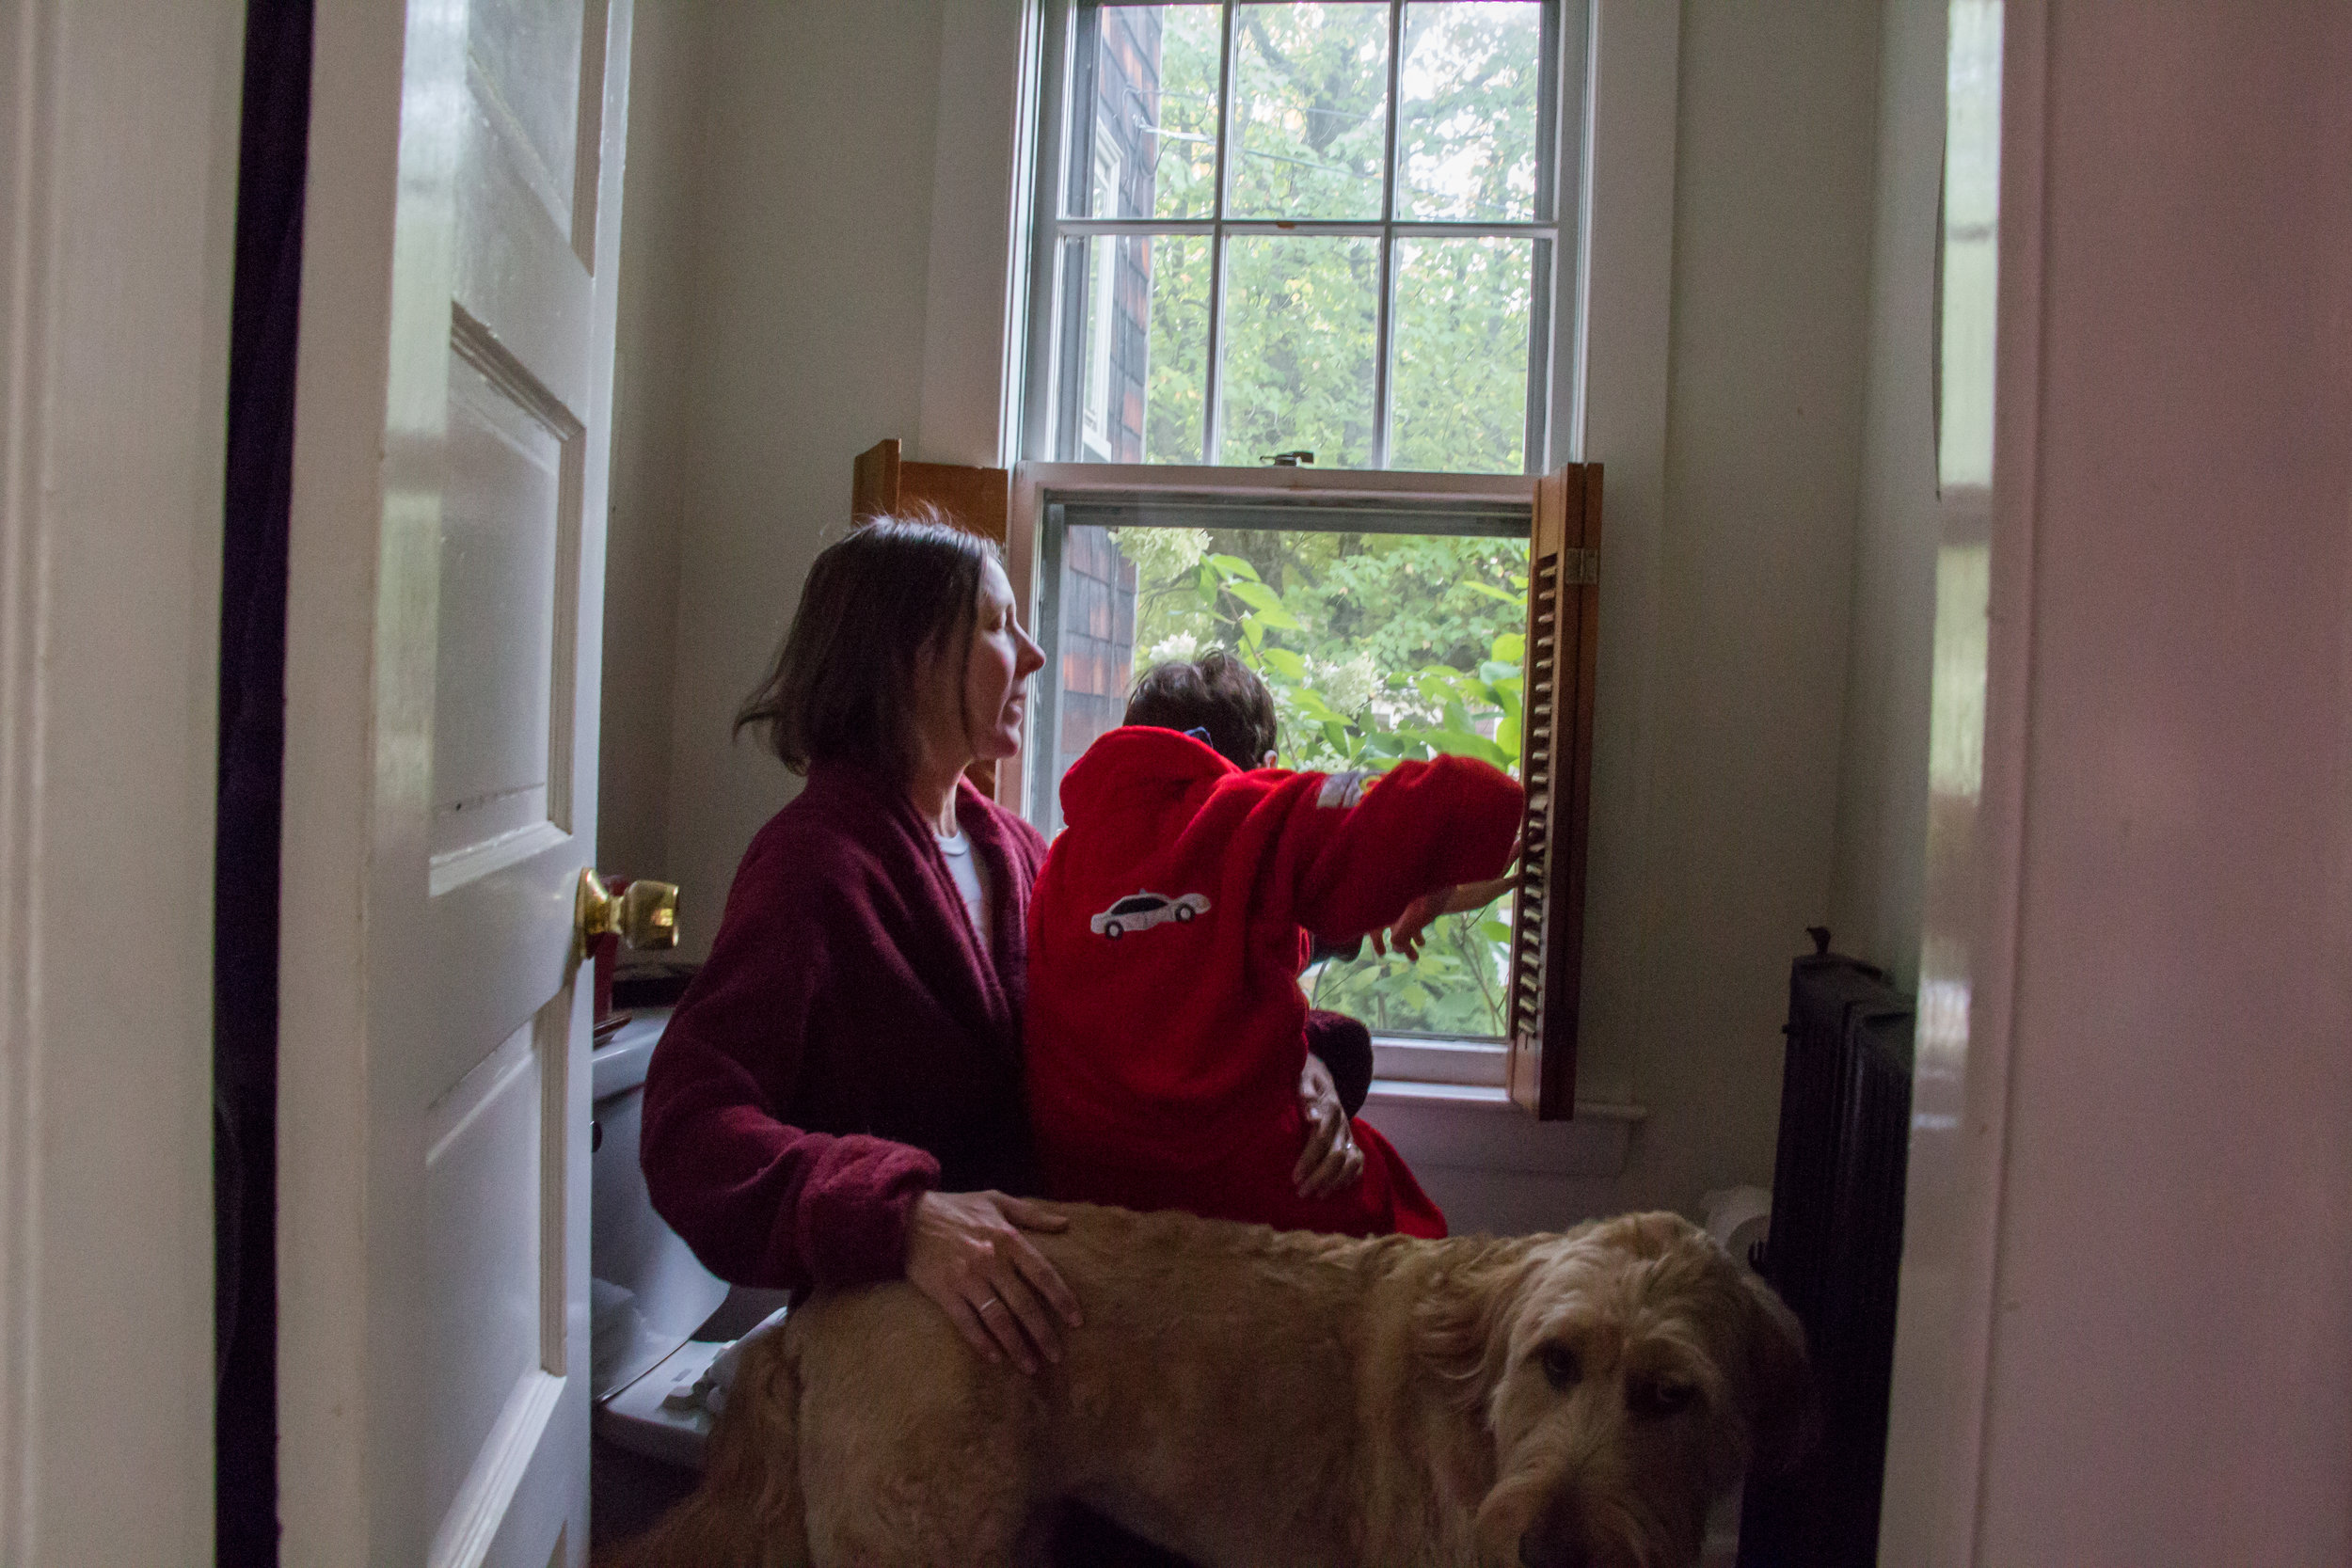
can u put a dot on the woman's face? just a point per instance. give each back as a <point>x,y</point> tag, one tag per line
<point>986,724</point>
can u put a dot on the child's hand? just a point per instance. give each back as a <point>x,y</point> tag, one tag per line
<point>1333,1159</point>
<point>1412,926</point>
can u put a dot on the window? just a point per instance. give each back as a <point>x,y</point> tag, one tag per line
<point>1385,629</point>
<point>1341,229</point>
<point>1335,228</point>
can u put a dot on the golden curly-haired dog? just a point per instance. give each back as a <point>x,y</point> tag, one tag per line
<point>1246,1397</point>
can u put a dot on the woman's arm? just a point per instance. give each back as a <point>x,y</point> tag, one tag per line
<point>762,1201</point>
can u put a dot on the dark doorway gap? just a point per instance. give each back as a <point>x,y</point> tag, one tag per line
<point>264,319</point>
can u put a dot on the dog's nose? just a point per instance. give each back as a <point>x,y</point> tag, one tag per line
<point>1556,1539</point>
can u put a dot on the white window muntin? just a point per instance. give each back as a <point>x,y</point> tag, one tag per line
<point>1050,417</point>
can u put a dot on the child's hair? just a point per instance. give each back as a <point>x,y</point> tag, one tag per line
<point>1216,692</point>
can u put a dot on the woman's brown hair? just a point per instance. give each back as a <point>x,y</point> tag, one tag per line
<point>878,605</point>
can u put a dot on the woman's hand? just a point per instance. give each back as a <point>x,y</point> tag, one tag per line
<point>967,1253</point>
<point>1333,1159</point>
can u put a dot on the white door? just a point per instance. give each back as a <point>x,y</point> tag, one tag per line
<point>445,600</point>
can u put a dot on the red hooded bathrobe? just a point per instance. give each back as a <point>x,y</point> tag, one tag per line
<point>1166,1025</point>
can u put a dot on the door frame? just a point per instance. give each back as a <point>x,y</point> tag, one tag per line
<point>118,145</point>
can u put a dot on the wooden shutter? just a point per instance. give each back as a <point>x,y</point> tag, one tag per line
<point>974,499</point>
<point>1555,750</point>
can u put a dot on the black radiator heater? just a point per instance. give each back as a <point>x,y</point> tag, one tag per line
<point>1833,1251</point>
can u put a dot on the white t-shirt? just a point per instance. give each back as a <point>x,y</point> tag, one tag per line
<point>971,881</point>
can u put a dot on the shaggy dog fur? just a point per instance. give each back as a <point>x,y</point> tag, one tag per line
<point>1246,1398</point>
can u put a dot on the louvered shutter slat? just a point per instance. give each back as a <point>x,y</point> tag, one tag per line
<point>1555,751</point>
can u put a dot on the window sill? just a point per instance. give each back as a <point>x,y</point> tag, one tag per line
<point>1476,1127</point>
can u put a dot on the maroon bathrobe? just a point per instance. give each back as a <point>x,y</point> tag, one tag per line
<point>848,1047</point>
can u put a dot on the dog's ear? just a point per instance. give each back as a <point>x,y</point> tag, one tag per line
<point>1780,1402</point>
<point>1462,1327</point>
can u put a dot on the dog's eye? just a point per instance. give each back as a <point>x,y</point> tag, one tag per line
<point>1659,1398</point>
<point>1560,1365</point>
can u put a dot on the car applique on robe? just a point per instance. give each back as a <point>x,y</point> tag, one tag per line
<point>1141,911</point>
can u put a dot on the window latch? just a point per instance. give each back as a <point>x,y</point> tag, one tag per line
<point>1289,459</point>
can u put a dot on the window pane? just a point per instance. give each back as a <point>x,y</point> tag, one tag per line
<point>1310,96</point>
<point>1376,646</point>
<point>1466,146</point>
<point>1299,348</point>
<point>1461,349</point>
<point>1138,369</point>
<point>1149,148</point>
<point>1092,626</point>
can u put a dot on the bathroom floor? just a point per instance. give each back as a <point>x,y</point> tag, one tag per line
<point>626,1493</point>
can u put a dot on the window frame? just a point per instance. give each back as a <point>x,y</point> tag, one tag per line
<point>1607,394</point>
<point>1554,413</point>
<point>1481,1063</point>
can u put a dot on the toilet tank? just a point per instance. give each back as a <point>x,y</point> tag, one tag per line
<point>646,1293</point>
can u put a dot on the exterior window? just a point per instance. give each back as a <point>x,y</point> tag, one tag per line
<point>1343,234</point>
<point>1384,632</point>
<point>1322,226</point>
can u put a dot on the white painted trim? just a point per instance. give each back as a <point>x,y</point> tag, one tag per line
<point>326,1015</point>
<point>1937,1416</point>
<point>1459,1063</point>
<point>1094,479</point>
<point>977,285</point>
<point>1628,234</point>
<point>119,135</point>
<point>1633,101</point>
<point>1466,1126</point>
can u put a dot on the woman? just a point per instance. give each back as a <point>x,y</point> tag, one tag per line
<point>838,1098</point>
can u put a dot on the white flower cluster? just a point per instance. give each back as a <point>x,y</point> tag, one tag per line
<point>1162,554</point>
<point>1182,648</point>
<point>1347,684</point>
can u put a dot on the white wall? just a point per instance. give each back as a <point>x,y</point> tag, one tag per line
<point>652,435</point>
<point>1775,157</point>
<point>814,239</point>
<point>1883,790</point>
<point>117,204</point>
<point>817,323</point>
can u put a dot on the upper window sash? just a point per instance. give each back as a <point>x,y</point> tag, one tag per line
<point>1058,423</point>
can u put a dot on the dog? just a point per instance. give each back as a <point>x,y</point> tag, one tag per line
<point>1246,1397</point>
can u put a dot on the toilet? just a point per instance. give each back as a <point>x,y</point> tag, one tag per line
<point>660,1324</point>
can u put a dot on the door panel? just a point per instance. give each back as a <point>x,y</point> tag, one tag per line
<point>524,57</point>
<point>520,272</point>
<point>501,722</point>
<point>434,1406</point>
<point>486,1246</point>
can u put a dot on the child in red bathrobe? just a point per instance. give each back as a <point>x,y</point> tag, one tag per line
<point>1165,1025</point>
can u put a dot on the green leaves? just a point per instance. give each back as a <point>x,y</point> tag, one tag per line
<point>1285,663</point>
<point>1517,601</point>
<point>1265,601</point>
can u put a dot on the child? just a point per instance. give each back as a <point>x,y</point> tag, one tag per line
<point>1166,1025</point>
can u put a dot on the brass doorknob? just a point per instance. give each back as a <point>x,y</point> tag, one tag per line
<point>644,914</point>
